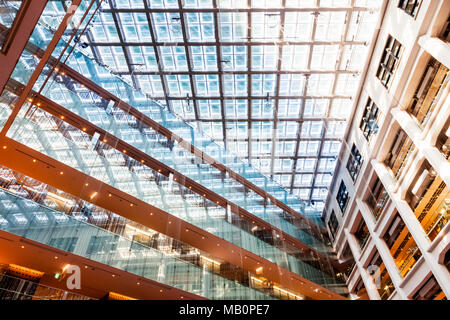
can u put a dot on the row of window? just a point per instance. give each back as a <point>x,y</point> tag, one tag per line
<point>368,125</point>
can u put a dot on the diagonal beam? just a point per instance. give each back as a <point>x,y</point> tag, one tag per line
<point>157,55</point>
<point>40,66</point>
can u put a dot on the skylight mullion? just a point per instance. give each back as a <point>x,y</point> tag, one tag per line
<point>305,88</point>
<point>237,97</point>
<point>122,44</point>
<point>275,112</point>
<point>188,58</point>
<point>230,43</point>
<point>220,71</point>
<point>243,72</point>
<point>347,22</point>
<point>157,55</point>
<point>249,89</point>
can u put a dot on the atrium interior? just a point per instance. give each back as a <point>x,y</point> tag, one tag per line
<point>224,149</point>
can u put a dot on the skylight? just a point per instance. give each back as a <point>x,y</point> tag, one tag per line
<point>271,80</point>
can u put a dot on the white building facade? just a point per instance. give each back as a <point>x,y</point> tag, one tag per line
<point>388,205</point>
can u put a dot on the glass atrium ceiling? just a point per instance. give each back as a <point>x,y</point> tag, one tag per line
<point>271,80</point>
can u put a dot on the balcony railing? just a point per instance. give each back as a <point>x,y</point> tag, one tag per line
<point>385,285</point>
<point>440,218</point>
<point>378,204</point>
<point>22,289</point>
<point>402,158</point>
<point>405,265</point>
<point>429,91</point>
<point>432,210</point>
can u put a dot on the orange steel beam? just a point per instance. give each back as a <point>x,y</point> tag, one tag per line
<point>97,279</point>
<point>20,158</point>
<point>40,66</point>
<point>18,36</point>
<point>72,36</point>
<point>290,243</point>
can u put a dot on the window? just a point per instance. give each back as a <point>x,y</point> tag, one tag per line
<point>333,224</point>
<point>369,120</point>
<point>428,91</point>
<point>377,198</point>
<point>354,162</point>
<point>342,196</point>
<point>409,6</point>
<point>389,61</point>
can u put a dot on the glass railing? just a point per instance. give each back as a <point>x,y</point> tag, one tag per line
<point>398,160</point>
<point>73,147</point>
<point>18,184</point>
<point>405,265</point>
<point>102,76</point>
<point>383,282</point>
<point>7,100</point>
<point>441,218</point>
<point>45,225</point>
<point>22,289</point>
<point>432,208</point>
<point>429,91</point>
<point>377,204</point>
